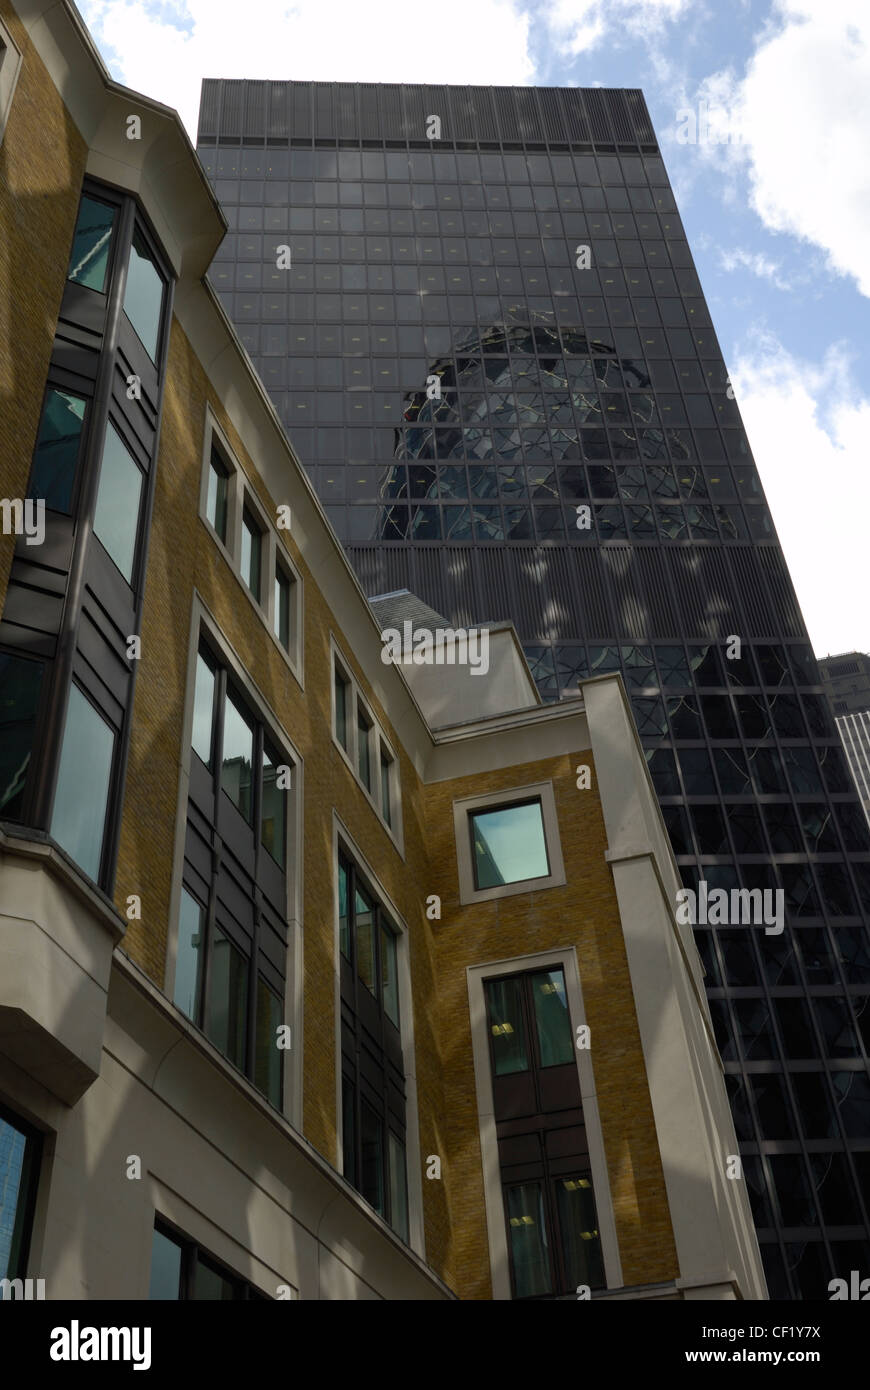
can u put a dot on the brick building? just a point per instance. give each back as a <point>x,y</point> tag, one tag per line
<point>321,976</point>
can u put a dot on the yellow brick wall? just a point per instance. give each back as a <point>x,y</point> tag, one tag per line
<point>42,159</point>
<point>182,555</point>
<point>584,914</point>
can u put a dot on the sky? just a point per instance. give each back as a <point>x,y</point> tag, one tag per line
<point>762,110</point>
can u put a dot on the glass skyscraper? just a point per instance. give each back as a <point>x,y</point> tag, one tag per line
<point>492,352</point>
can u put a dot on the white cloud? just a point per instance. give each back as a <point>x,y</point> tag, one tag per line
<point>808,425</point>
<point>578,25</point>
<point>165,49</point>
<point>803,109</point>
<point>757,263</point>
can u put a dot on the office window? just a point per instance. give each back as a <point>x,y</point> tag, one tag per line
<point>203,708</point>
<point>92,241</point>
<point>19,1172</point>
<point>282,618</point>
<point>363,746</point>
<point>10,62</point>
<point>143,294</point>
<point>217,494</point>
<point>20,683</point>
<point>273,816</point>
<point>238,757</point>
<point>232,925</point>
<point>386,775</point>
<point>58,445</point>
<point>116,518</point>
<point>81,796</point>
<point>181,1270</point>
<point>549,1204</point>
<point>373,1081</point>
<point>252,546</point>
<point>509,845</point>
<point>188,965</point>
<point>342,700</point>
<point>507,842</point>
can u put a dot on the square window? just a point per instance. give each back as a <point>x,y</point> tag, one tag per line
<point>507,843</point>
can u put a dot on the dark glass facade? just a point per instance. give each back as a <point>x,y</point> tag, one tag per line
<point>508,434</point>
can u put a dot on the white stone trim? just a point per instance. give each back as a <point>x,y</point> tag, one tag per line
<point>462,811</point>
<point>494,1202</point>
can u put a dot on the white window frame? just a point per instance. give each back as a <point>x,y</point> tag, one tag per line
<point>204,625</point>
<point>499,1257</point>
<point>343,841</point>
<point>10,67</point>
<point>377,737</point>
<point>273,553</point>
<point>462,811</point>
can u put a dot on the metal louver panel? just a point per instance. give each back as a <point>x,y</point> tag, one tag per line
<point>278,124</point>
<point>209,103</point>
<point>596,105</point>
<point>232,99</point>
<point>255,109</point>
<point>619,116</point>
<point>300,110</point>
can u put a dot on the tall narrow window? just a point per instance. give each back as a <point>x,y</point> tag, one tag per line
<point>116,518</point>
<point>188,965</point>
<point>238,758</point>
<point>252,544</point>
<point>19,1168</point>
<point>216,497</point>
<point>342,693</point>
<point>92,242</point>
<point>273,823</point>
<point>143,294</point>
<point>373,1080</point>
<point>364,746</point>
<point>232,926</point>
<point>386,772</point>
<point>267,1054</point>
<point>203,709</point>
<point>226,1020</point>
<point>549,1204</point>
<point>78,819</point>
<point>20,682</point>
<point>58,444</point>
<point>283,598</point>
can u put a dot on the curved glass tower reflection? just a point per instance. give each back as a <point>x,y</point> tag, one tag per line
<point>508,435</point>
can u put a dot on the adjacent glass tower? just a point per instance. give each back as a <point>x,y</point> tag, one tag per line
<point>492,352</point>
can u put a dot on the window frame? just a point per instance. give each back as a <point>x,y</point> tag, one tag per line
<point>253,526</point>
<point>25,1206</point>
<point>274,554</point>
<point>10,68</point>
<point>30,789</point>
<point>494,1192</point>
<point>358,706</point>
<point>463,810</point>
<point>344,848</point>
<point>57,382</point>
<point>191,1253</point>
<point>230,673</point>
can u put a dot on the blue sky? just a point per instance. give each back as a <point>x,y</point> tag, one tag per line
<point>777,213</point>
